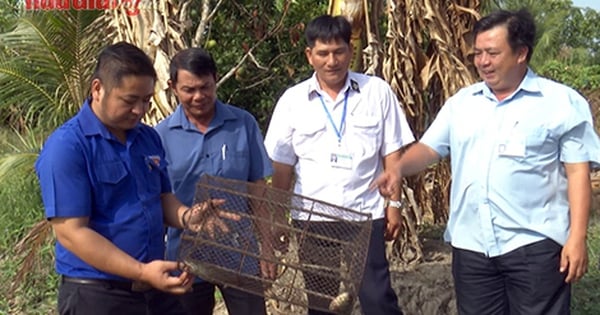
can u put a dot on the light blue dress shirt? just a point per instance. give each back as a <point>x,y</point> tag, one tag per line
<point>509,187</point>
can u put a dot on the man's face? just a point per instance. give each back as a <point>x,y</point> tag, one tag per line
<point>330,60</point>
<point>121,107</point>
<point>500,67</point>
<point>197,94</point>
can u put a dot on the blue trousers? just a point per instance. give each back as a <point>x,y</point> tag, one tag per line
<point>525,281</point>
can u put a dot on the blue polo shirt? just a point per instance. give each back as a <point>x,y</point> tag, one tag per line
<point>84,171</point>
<point>509,186</point>
<point>232,147</point>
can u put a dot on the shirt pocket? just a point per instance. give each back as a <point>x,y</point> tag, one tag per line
<point>536,140</point>
<point>232,164</point>
<point>541,145</point>
<point>111,173</point>
<point>157,168</point>
<point>538,144</point>
<point>111,179</point>
<point>367,130</point>
<point>307,136</point>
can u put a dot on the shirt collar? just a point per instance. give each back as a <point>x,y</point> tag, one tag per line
<point>222,114</point>
<point>91,125</point>
<point>529,84</point>
<point>314,89</point>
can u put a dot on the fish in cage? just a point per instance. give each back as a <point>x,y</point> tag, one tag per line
<point>285,247</point>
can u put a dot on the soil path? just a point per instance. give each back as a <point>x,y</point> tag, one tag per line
<point>426,289</point>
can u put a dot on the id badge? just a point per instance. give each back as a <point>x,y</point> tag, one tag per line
<point>514,147</point>
<point>341,160</point>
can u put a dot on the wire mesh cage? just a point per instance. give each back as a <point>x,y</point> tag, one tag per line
<point>291,249</point>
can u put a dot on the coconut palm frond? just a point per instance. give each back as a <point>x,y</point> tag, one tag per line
<point>18,73</point>
<point>28,250</point>
<point>23,148</point>
<point>17,172</point>
<point>45,63</point>
<point>17,162</point>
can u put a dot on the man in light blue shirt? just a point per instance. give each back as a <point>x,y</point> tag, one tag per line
<point>521,147</point>
<point>206,136</point>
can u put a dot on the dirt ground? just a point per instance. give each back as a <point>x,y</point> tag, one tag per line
<point>428,288</point>
<point>425,289</point>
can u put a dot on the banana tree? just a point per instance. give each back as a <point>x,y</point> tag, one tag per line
<point>427,61</point>
<point>364,16</point>
<point>254,43</point>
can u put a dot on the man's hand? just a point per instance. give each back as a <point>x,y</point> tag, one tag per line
<point>206,217</point>
<point>268,265</point>
<point>574,259</point>
<point>157,274</point>
<point>393,218</point>
<point>388,183</point>
<point>399,165</point>
<point>273,235</point>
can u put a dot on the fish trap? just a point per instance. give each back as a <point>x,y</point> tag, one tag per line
<point>312,253</point>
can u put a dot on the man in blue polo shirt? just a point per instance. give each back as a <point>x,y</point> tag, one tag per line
<point>107,196</point>
<point>206,136</point>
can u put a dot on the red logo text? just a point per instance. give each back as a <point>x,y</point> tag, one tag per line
<point>131,7</point>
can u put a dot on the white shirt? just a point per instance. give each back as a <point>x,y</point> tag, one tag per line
<point>301,134</point>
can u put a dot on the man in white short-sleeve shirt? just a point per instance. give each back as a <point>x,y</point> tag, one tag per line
<point>336,132</point>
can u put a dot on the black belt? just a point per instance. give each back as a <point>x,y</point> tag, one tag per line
<point>132,286</point>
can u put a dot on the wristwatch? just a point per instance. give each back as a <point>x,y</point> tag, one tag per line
<point>395,204</point>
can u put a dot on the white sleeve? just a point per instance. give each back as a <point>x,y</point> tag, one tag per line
<point>278,140</point>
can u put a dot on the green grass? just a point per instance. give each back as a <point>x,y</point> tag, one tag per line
<point>20,209</point>
<point>586,293</point>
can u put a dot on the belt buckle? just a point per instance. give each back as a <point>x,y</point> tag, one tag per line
<point>140,286</point>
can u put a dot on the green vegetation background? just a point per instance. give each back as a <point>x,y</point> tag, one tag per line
<point>568,51</point>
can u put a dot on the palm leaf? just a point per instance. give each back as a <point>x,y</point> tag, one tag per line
<point>17,176</point>
<point>45,63</point>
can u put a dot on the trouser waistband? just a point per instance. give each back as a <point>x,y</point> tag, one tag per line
<point>133,286</point>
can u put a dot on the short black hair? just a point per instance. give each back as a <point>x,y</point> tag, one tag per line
<point>195,60</point>
<point>119,60</point>
<point>326,28</point>
<point>519,24</point>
